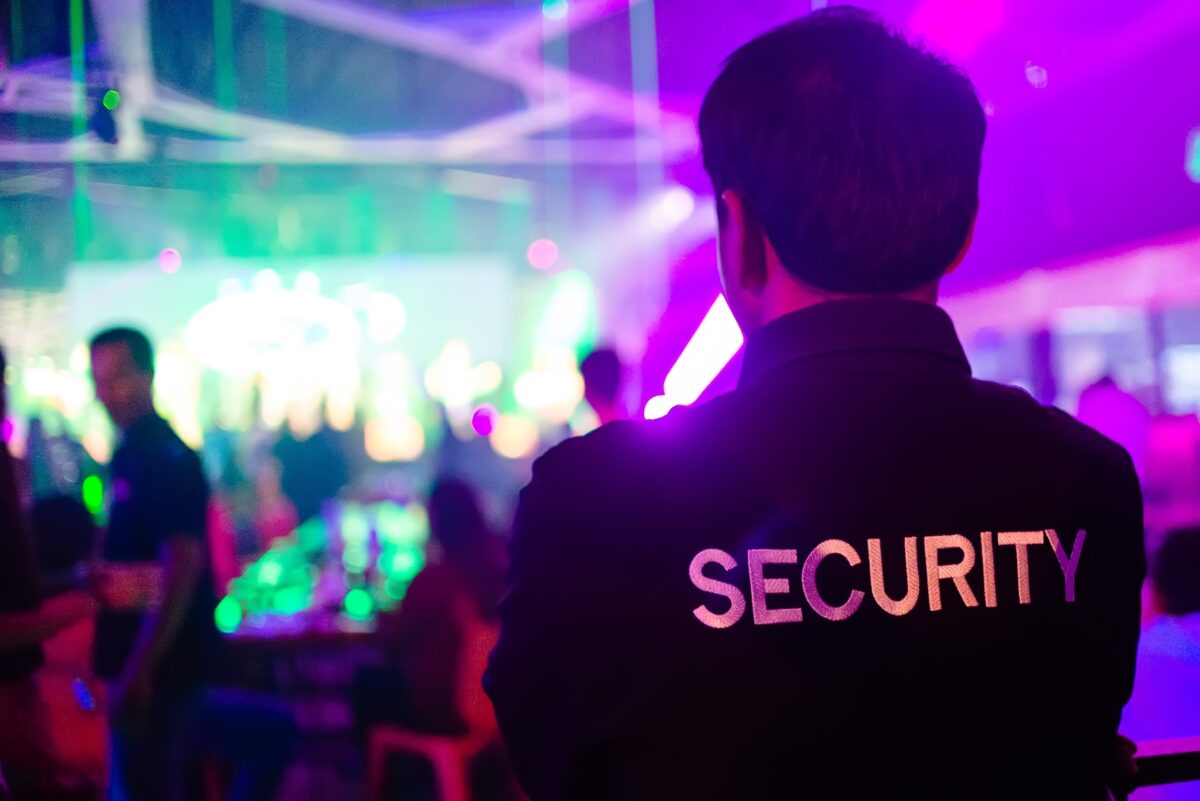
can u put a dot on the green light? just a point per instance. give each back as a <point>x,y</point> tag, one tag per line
<point>291,600</point>
<point>354,559</point>
<point>355,527</point>
<point>93,494</point>
<point>358,604</point>
<point>395,588</point>
<point>1193,156</point>
<point>112,99</point>
<point>403,565</point>
<point>269,572</point>
<point>228,615</point>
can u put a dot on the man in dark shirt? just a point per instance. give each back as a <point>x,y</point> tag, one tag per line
<point>156,640</point>
<point>862,574</point>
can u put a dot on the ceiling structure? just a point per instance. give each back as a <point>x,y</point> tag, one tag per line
<point>1091,104</point>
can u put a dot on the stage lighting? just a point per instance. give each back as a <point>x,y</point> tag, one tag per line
<point>715,342</point>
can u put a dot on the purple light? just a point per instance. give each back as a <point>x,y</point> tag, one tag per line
<point>483,420</point>
<point>169,260</point>
<point>6,430</point>
<point>542,254</point>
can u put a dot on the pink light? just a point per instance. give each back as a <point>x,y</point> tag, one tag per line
<point>715,342</point>
<point>169,260</point>
<point>6,430</point>
<point>542,254</point>
<point>483,420</point>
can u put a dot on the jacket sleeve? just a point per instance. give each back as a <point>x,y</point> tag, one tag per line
<point>1121,527</point>
<point>538,675</point>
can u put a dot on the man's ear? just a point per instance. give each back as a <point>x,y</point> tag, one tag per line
<point>745,242</point>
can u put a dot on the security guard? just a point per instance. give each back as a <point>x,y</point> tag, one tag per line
<point>862,574</point>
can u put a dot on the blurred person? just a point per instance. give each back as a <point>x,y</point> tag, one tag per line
<point>862,574</point>
<point>453,598</point>
<point>65,536</point>
<point>156,641</point>
<point>1118,415</point>
<point>1166,695</point>
<point>312,468</point>
<point>602,373</point>
<point>29,758</point>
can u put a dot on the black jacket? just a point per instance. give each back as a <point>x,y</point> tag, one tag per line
<point>735,602</point>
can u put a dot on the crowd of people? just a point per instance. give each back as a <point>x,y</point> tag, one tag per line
<point>861,574</point>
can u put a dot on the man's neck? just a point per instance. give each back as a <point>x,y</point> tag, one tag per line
<point>795,296</point>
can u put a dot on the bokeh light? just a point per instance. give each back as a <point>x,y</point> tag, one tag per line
<point>401,440</point>
<point>542,254</point>
<point>358,604</point>
<point>112,99</point>
<point>93,494</point>
<point>483,420</point>
<point>672,208</point>
<point>555,9</point>
<point>1036,75</point>
<point>228,614</point>
<point>169,260</point>
<point>515,437</point>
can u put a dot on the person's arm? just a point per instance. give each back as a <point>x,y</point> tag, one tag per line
<point>54,615</point>
<point>182,567</point>
<point>537,677</point>
<point>1123,525</point>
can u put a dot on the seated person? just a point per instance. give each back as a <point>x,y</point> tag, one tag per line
<point>458,588</point>
<point>1165,703</point>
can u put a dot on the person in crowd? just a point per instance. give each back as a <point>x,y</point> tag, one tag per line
<point>1165,703</point>
<point>602,373</point>
<point>312,468</point>
<point>156,641</point>
<point>459,586</point>
<point>1118,415</point>
<point>28,756</point>
<point>862,574</point>
<point>65,537</point>
<point>450,607</point>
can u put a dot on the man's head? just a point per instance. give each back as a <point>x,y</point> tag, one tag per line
<point>845,162</point>
<point>601,371</point>
<point>1175,572</point>
<point>123,374</point>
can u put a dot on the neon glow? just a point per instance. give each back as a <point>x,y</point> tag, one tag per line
<point>93,494</point>
<point>715,342</point>
<point>112,99</point>
<point>658,406</point>
<point>483,421</point>
<point>228,615</point>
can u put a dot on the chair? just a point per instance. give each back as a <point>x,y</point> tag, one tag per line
<point>450,756</point>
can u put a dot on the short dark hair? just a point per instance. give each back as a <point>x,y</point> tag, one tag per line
<point>1175,571</point>
<point>601,371</point>
<point>858,152</point>
<point>137,342</point>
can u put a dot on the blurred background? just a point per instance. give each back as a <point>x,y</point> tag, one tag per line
<point>373,240</point>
